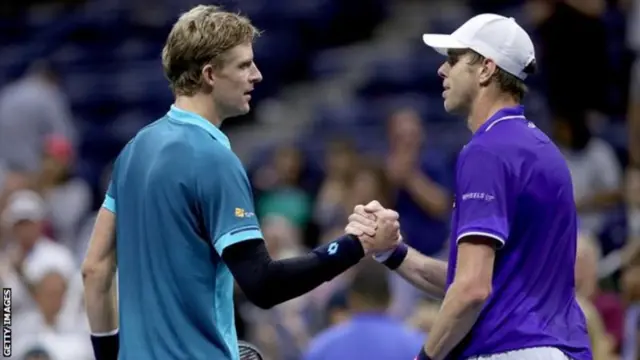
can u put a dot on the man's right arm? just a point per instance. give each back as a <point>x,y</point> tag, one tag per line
<point>226,203</point>
<point>423,272</point>
<point>267,282</point>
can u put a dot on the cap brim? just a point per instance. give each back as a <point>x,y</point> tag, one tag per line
<point>442,42</point>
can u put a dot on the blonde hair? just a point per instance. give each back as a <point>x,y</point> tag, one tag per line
<point>201,36</point>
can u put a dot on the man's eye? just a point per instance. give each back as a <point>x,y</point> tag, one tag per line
<point>452,60</point>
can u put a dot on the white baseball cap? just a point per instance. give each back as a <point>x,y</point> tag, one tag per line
<point>493,36</point>
<point>23,205</point>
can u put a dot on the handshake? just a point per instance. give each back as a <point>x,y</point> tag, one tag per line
<point>377,228</point>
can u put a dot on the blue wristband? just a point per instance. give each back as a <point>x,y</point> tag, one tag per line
<point>423,355</point>
<point>397,256</point>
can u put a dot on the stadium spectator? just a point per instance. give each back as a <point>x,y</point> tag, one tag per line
<point>630,284</point>
<point>279,184</point>
<point>608,309</point>
<point>601,342</point>
<point>61,333</point>
<point>62,190</point>
<point>370,333</point>
<point>595,170</point>
<point>420,178</point>
<point>31,109</point>
<point>341,164</point>
<point>28,249</point>
<point>337,310</point>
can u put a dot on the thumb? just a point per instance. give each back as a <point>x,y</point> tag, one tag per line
<point>373,207</point>
<point>389,215</point>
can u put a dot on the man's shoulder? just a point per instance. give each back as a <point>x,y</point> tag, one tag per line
<point>514,141</point>
<point>477,148</point>
<point>177,142</point>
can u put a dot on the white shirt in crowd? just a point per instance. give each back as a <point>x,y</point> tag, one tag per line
<point>593,170</point>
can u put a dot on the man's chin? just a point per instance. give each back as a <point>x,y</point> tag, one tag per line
<point>245,109</point>
<point>240,111</point>
<point>449,107</point>
<point>453,108</point>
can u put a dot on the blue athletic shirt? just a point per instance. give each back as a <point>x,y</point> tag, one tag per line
<point>180,196</point>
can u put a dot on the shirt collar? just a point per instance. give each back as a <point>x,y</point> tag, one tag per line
<point>508,113</point>
<point>192,118</point>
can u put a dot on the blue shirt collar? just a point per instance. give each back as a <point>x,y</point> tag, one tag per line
<point>512,112</point>
<point>192,118</point>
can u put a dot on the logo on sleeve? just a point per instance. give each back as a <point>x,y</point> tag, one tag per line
<point>333,249</point>
<point>241,213</point>
<point>478,196</point>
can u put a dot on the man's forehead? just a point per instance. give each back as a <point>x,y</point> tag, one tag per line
<point>239,53</point>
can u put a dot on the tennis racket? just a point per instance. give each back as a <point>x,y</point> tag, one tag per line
<point>249,351</point>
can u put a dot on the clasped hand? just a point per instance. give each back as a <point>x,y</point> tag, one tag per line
<point>377,228</point>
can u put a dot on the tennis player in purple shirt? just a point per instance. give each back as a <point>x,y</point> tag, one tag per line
<point>508,287</point>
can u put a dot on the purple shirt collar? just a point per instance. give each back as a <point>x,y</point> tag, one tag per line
<point>508,113</point>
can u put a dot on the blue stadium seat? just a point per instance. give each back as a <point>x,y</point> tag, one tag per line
<point>413,72</point>
<point>329,62</point>
<point>447,22</point>
<point>137,49</point>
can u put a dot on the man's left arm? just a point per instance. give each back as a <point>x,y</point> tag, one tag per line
<point>483,227</point>
<point>98,272</point>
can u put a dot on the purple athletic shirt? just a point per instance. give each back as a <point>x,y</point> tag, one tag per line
<point>513,185</point>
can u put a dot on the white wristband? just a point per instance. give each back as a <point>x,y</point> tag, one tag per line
<point>383,256</point>
<point>107,333</point>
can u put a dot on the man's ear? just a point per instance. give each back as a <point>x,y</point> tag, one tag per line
<point>486,70</point>
<point>208,76</point>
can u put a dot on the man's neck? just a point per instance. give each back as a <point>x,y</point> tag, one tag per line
<point>201,105</point>
<point>486,106</point>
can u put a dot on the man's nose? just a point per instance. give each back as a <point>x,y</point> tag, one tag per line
<point>257,76</point>
<point>443,70</point>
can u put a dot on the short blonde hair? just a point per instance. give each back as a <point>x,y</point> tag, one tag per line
<point>201,36</point>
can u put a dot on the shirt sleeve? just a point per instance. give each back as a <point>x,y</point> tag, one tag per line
<point>226,200</point>
<point>110,198</point>
<point>482,191</point>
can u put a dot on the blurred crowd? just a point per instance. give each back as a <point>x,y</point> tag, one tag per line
<point>57,142</point>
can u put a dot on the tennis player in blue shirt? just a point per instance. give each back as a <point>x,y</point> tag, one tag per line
<point>509,283</point>
<point>178,220</point>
